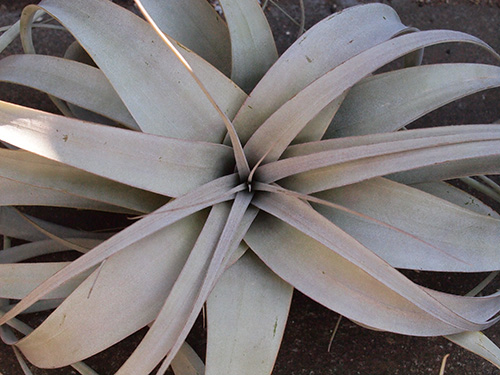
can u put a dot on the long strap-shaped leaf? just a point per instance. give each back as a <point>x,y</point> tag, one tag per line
<point>430,312</point>
<point>217,191</point>
<point>282,127</point>
<point>114,297</point>
<point>158,91</point>
<point>187,362</point>
<point>253,49</point>
<point>74,82</point>
<point>478,343</point>
<point>371,108</point>
<point>326,45</point>
<point>457,196</point>
<point>17,280</point>
<point>15,225</point>
<point>246,313</point>
<point>429,233</point>
<point>29,250</point>
<point>338,167</point>
<point>23,328</point>
<point>162,165</point>
<point>26,179</point>
<point>197,25</point>
<point>168,332</point>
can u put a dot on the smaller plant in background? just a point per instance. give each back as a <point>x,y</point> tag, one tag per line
<point>252,175</point>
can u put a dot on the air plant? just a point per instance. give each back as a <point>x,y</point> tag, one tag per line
<point>249,175</point>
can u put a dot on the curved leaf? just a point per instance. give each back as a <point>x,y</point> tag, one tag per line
<point>218,239</point>
<point>217,191</point>
<point>78,83</point>
<point>389,101</point>
<point>355,159</point>
<point>113,298</point>
<point>29,250</point>
<point>339,272</point>
<point>456,196</point>
<point>187,362</point>
<point>12,224</point>
<point>478,343</point>
<point>17,280</point>
<point>322,48</point>
<point>424,232</point>
<point>272,138</point>
<point>154,85</point>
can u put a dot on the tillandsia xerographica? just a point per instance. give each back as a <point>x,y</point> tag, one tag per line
<point>249,175</point>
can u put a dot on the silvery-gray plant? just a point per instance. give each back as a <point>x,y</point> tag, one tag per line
<point>249,175</point>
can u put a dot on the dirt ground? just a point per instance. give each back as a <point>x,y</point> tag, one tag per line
<point>306,348</point>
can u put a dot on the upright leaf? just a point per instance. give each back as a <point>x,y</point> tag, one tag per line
<point>253,49</point>
<point>157,90</point>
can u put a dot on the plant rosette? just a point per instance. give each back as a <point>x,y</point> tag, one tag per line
<point>249,175</point>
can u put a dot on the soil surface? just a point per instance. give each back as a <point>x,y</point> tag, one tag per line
<point>306,348</point>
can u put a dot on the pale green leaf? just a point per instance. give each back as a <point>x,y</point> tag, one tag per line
<point>78,83</point>
<point>218,239</point>
<point>217,191</point>
<point>335,263</point>
<point>246,316</point>
<point>322,48</point>
<point>195,24</point>
<point>478,343</point>
<point>158,164</point>
<point>253,49</point>
<point>27,179</point>
<point>355,159</point>
<point>457,196</point>
<point>17,280</point>
<point>422,231</point>
<point>389,101</point>
<point>187,362</point>
<point>113,298</point>
<point>159,92</point>
<point>279,130</point>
